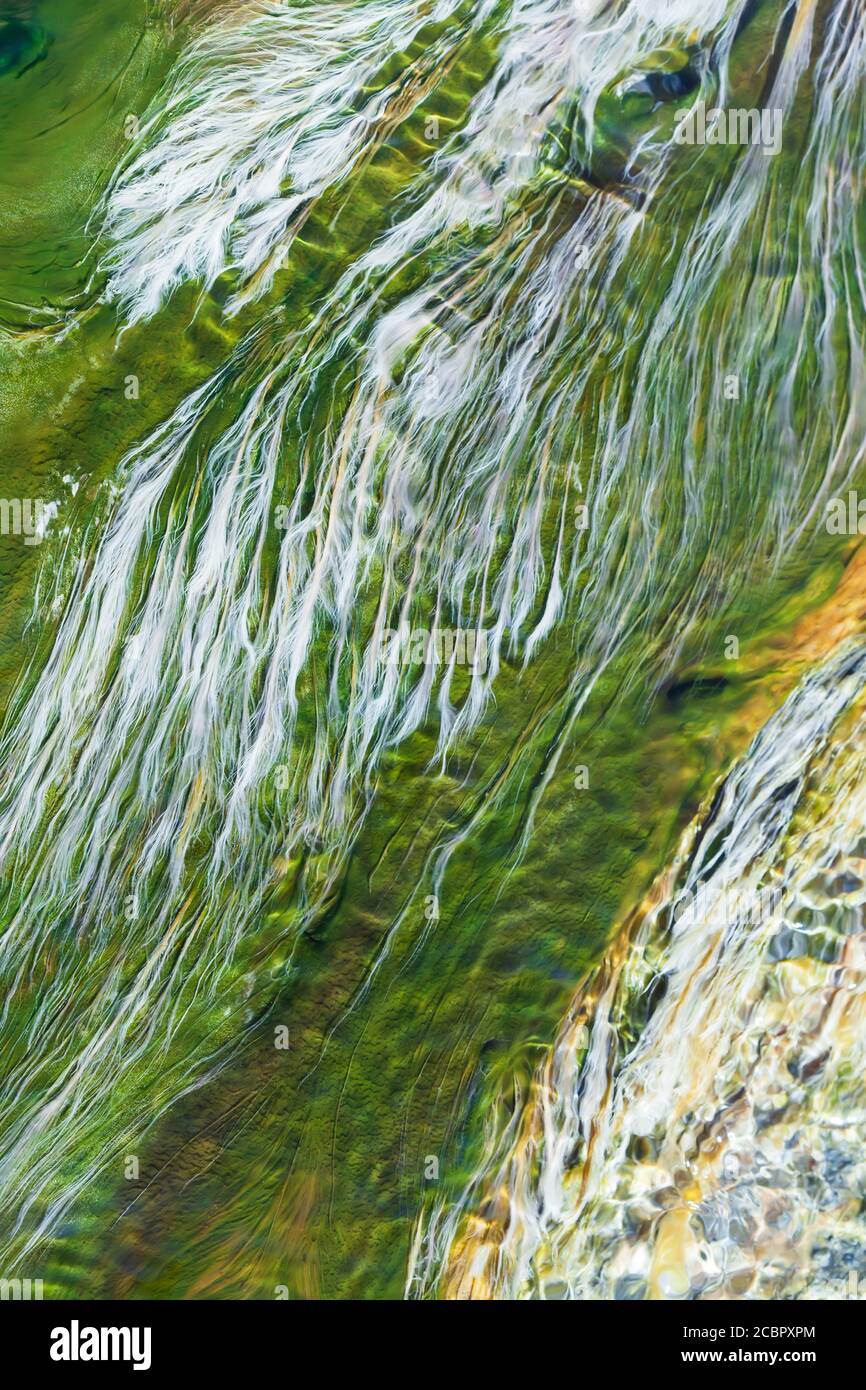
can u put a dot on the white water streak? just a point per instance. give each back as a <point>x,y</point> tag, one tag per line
<point>485,400</point>
<point>710,1142</point>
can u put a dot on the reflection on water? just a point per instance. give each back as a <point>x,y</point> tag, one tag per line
<point>478,346</point>
<point>698,1129</point>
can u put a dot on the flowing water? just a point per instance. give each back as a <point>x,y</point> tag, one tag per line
<point>698,1128</point>
<point>450,332</point>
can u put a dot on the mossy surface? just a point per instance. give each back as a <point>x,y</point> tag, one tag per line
<point>305,1167</point>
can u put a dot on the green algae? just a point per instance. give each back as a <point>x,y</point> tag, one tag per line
<point>21,45</point>
<point>318,1154</point>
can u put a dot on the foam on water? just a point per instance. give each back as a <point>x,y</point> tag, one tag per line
<point>415,455</point>
<point>697,1129</point>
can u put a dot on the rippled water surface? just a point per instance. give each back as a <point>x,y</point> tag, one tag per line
<point>432,843</point>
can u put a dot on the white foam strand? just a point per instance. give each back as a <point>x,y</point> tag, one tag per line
<point>254,109</point>
<point>189,713</point>
<point>714,962</point>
